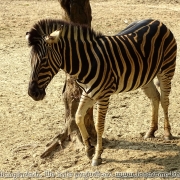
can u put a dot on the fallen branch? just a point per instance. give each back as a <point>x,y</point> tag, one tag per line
<point>54,144</point>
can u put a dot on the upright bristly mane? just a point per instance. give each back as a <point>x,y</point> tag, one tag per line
<point>47,26</point>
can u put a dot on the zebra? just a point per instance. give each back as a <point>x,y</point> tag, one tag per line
<point>104,65</point>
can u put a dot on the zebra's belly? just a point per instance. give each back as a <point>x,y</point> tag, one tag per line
<point>130,85</point>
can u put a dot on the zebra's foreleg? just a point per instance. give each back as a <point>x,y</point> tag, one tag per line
<point>152,93</point>
<point>84,104</point>
<point>102,106</point>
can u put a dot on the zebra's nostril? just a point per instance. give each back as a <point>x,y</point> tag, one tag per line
<point>33,91</point>
<point>36,94</point>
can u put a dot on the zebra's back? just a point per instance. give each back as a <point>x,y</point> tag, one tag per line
<point>139,53</point>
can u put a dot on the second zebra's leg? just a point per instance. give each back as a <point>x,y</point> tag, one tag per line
<point>84,104</point>
<point>102,107</point>
<point>152,93</point>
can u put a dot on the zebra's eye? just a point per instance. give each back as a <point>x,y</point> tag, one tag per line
<point>44,61</point>
<point>44,58</point>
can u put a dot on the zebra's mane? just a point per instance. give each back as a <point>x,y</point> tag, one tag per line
<point>47,26</point>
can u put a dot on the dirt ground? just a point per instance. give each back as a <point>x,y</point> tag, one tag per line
<point>27,126</point>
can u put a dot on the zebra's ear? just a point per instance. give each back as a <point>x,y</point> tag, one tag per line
<point>53,37</point>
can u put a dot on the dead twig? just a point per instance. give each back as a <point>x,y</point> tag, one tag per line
<point>54,144</point>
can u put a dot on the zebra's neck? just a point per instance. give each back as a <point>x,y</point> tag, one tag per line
<point>76,43</point>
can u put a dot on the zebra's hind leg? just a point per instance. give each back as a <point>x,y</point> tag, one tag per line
<point>165,86</point>
<point>102,107</point>
<point>152,93</point>
<point>84,104</point>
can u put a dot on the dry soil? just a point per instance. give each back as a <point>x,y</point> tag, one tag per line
<point>26,126</point>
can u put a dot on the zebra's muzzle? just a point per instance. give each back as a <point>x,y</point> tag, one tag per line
<point>35,92</point>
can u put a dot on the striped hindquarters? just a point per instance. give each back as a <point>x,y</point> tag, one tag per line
<point>139,55</point>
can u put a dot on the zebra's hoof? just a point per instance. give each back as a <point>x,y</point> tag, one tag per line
<point>90,152</point>
<point>149,135</point>
<point>96,162</point>
<point>167,134</point>
<point>169,137</point>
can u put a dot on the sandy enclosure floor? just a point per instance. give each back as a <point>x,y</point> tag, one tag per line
<point>26,126</point>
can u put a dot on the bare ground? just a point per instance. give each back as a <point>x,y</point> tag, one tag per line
<point>26,126</point>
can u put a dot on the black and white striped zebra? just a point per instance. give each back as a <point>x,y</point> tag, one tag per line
<point>104,65</point>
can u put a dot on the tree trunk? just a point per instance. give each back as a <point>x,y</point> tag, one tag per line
<point>76,11</point>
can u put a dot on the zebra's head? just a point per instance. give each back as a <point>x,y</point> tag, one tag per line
<point>45,62</point>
